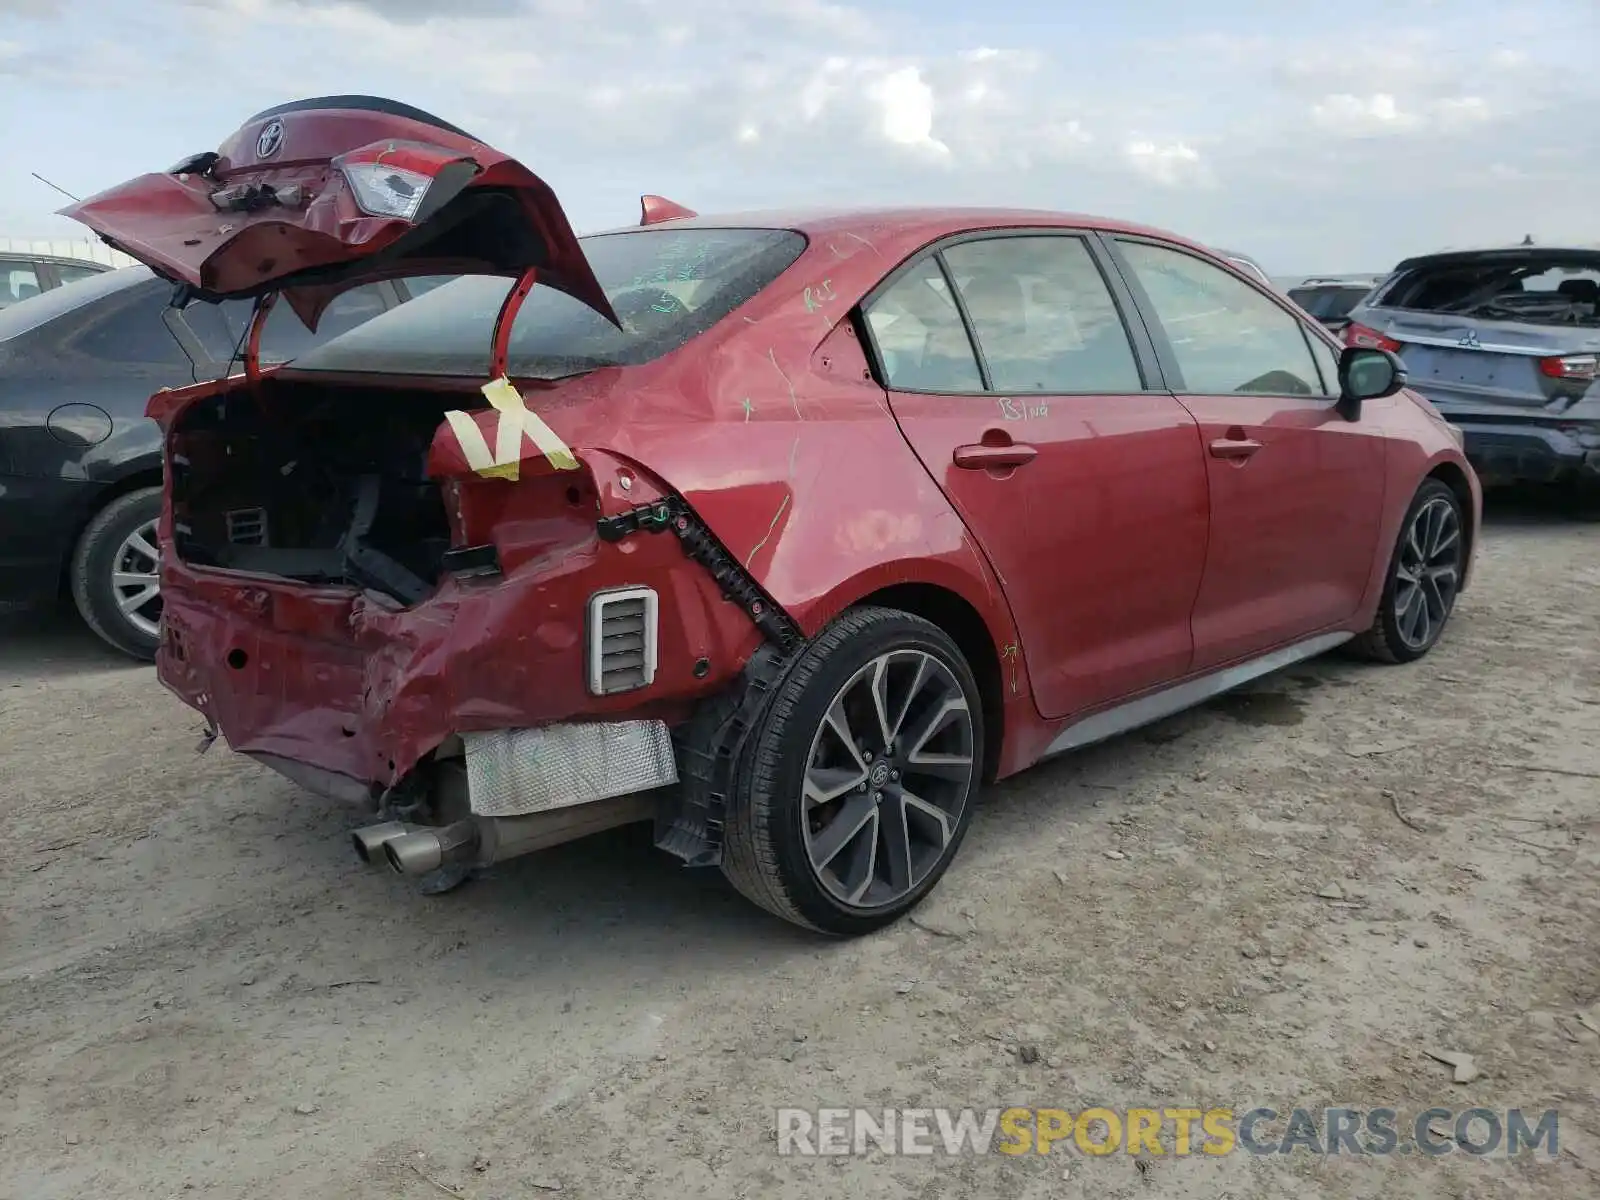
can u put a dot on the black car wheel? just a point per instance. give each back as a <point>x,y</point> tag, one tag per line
<point>1424,578</point>
<point>116,574</point>
<point>857,788</point>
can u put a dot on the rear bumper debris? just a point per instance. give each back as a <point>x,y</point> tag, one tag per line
<point>1531,452</point>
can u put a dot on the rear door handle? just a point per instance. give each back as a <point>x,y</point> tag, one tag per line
<point>1235,448</point>
<point>983,457</point>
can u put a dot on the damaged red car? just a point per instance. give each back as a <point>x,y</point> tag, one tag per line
<point>785,531</point>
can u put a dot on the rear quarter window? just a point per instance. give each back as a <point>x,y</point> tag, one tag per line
<point>667,286</point>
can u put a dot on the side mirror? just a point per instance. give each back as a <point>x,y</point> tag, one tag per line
<point>1367,374</point>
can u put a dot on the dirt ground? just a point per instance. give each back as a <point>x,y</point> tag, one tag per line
<point>203,994</point>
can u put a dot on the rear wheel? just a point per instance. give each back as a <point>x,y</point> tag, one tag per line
<point>1424,578</point>
<point>857,789</point>
<point>116,574</point>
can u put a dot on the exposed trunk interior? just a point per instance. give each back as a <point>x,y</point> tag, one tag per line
<point>317,483</point>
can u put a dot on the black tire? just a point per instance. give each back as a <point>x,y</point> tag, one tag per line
<point>765,853</point>
<point>1385,641</point>
<point>94,561</point>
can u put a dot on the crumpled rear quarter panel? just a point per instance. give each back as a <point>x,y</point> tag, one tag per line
<point>346,682</point>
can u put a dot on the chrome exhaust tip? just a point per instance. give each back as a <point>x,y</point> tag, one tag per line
<point>418,851</point>
<point>369,840</point>
<point>414,853</point>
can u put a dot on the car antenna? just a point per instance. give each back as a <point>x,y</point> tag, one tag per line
<point>57,187</point>
<point>1527,239</point>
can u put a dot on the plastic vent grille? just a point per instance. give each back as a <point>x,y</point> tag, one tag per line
<point>247,526</point>
<point>622,640</point>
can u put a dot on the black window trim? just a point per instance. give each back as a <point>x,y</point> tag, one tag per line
<point>1158,334</point>
<point>1145,357</point>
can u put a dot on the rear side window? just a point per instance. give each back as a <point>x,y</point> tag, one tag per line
<point>66,274</point>
<point>1226,336</point>
<point>1043,316</point>
<point>129,329</point>
<point>19,280</point>
<point>666,285</point>
<point>920,340</point>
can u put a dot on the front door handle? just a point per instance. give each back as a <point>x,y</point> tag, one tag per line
<point>982,456</point>
<point>1234,448</point>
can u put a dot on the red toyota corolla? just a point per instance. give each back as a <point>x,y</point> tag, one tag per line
<point>787,531</point>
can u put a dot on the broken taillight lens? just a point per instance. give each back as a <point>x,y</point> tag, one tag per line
<point>385,191</point>
<point>1368,339</point>
<point>1570,366</point>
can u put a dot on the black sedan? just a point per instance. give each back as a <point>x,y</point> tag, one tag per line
<point>80,463</point>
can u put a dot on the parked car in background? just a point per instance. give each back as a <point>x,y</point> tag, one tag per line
<point>80,463</point>
<point>788,531</point>
<point>1330,298</point>
<point>1505,343</point>
<point>25,275</point>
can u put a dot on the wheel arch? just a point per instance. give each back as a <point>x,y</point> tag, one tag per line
<point>133,481</point>
<point>954,614</point>
<point>1455,478</point>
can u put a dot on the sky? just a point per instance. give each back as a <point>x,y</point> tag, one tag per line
<point>1314,137</point>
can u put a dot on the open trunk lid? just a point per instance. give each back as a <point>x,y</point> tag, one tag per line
<point>317,196</point>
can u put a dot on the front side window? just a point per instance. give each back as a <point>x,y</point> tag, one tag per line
<point>1226,336</point>
<point>1043,316</point>
<point>18,281</point>
<point>1327,364</point>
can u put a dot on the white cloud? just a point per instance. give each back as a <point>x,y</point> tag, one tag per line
<point>1284,140</point>
<point>1171,164</point>
<point>1461,112</point>
<point>907,105</point>
<point>1362,116</point>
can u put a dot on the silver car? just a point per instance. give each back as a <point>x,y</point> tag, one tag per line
<point>1506,344</point>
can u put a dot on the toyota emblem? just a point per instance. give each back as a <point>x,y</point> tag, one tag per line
<point>270,140</point>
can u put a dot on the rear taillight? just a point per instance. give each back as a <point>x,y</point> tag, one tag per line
<point>1570,366</point>
<point>1368,339</point>
<point>384,191</point>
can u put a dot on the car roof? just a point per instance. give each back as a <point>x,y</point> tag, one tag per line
<point>924,223</point>
<point>54,303</point>
<point>66,260</point>
<point>1526,253</point>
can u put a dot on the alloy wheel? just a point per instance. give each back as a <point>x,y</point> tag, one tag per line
<point>1428,572</point>
<point>888,776</point>
<point>136,580</point>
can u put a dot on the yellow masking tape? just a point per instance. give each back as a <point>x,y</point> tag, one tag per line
<point>515,420</point>
<point>473,447</point>
<point>508,401</point>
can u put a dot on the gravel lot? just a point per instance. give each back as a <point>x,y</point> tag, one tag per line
<point>202,994</point>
